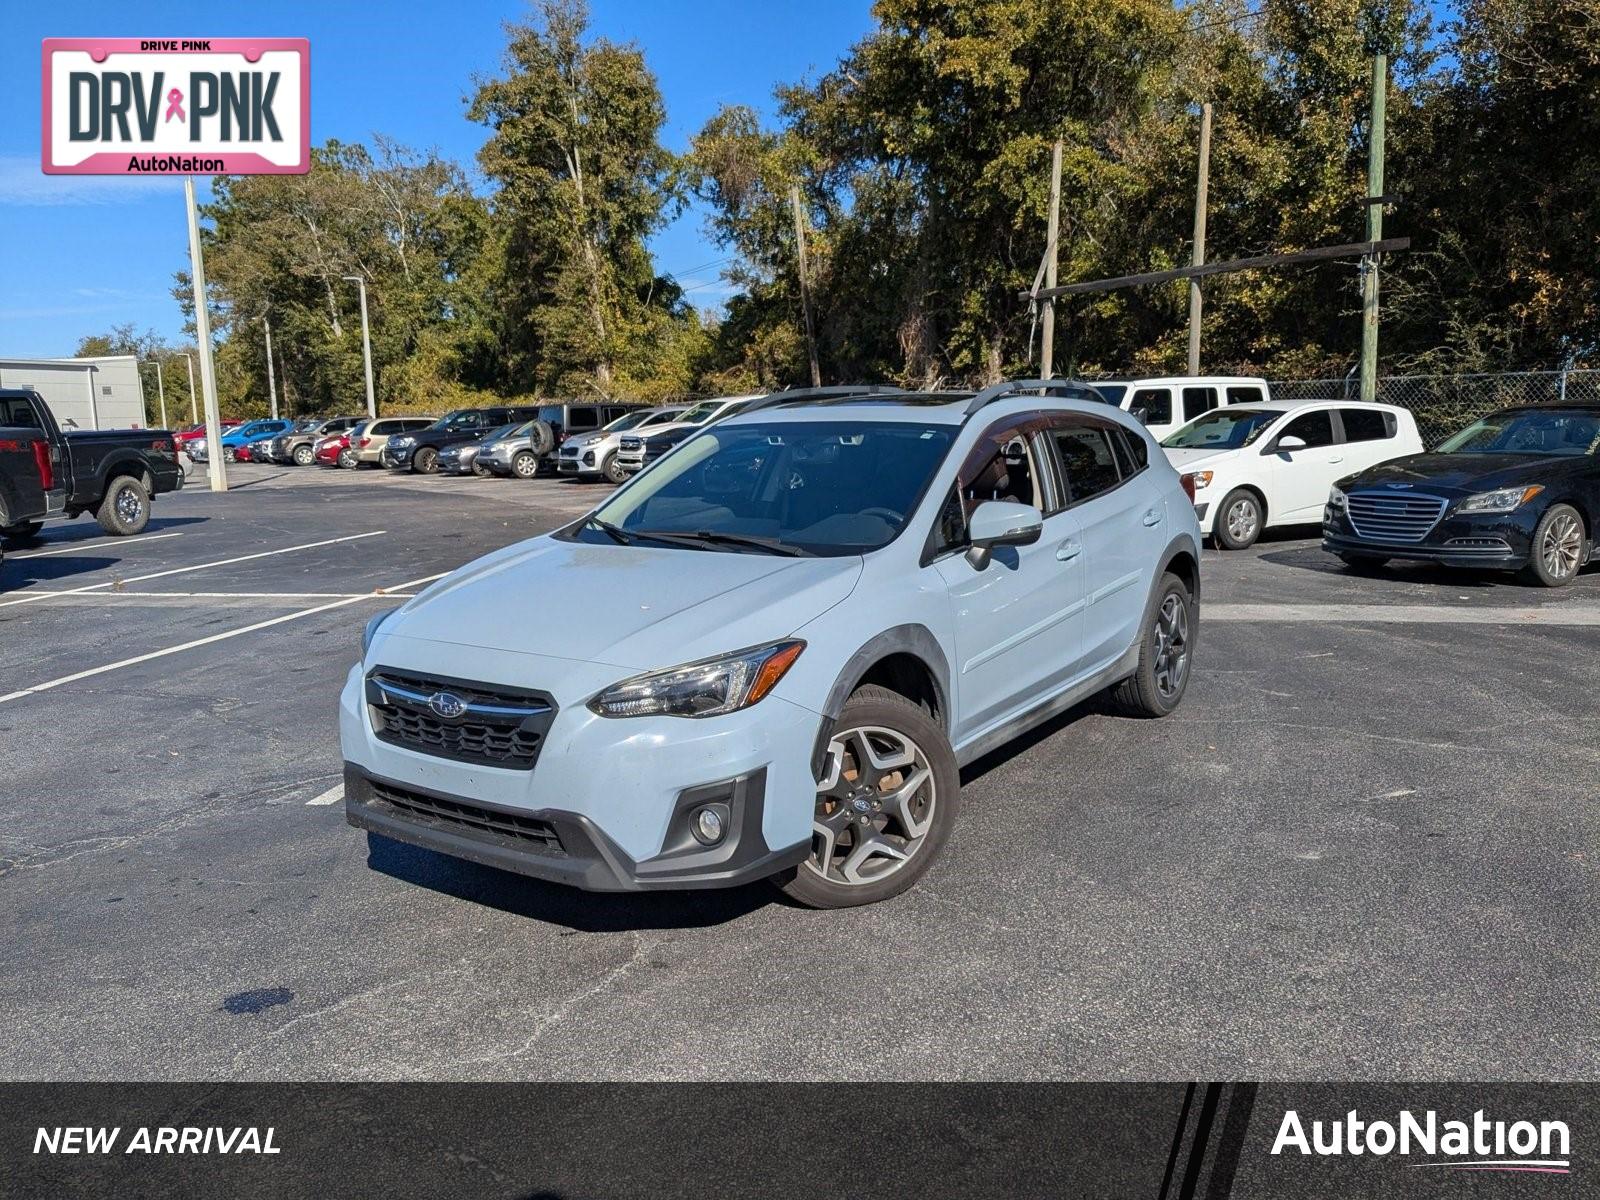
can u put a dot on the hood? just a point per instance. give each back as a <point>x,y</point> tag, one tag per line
<point>1466,473</point>
<point>1188,459</point>
<point>633,607</point>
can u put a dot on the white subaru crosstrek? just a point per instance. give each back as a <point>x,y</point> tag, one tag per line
<point>770,652</point>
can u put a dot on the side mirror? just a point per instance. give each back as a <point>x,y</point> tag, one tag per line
<point>1290,442</point>
<point>1141,415</point>
<point>1001,523</point>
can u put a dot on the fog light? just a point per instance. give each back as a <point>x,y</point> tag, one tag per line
<point>708,825</point>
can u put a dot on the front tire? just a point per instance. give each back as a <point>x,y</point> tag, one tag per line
<point>1558,547</point>
<point>525,465</point>
<point>125,508</point>
<point>425,461</point>
<point>347,459</point>
<point>1166,652</point>
<point>1239,520</point>
<point>229,454</point>
<point>612,470</point>
<point>885,807</point>
<point>304,456</point>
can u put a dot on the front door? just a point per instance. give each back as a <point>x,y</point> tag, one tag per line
<point>1300,478</point>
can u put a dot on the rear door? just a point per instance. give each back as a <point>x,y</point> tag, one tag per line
<point>1120,513</point>
<point>1370,438</point>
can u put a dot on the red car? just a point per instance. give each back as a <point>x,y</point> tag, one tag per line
<point>329,451</point>
<point>184,436</point>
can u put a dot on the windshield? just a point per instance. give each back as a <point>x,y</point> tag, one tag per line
<point>1223,429</point>
<point>256,427</point>
<point>512,430</point>
<point>824,488</point>
<point>1111,393</point>
<point>454,420</point>
<point>700,412</point>
<point>628,420</point>
<point>1556,432</point>
<point>306,424</point>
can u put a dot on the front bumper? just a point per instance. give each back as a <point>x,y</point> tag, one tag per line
<point>1498,540</point>
<point>610,798</point>
<point>395,459</point>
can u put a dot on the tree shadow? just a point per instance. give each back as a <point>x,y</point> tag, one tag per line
<point>586,912</point>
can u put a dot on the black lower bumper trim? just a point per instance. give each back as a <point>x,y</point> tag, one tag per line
<point>582,856</point>
<point>1445,555</point>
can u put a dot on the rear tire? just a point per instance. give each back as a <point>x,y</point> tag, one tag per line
<point>125,508</point>
<point>480,472</point>
<point>885,807</point>
<point>304,456</point>
<point>525,465</point>
<point>1166,655</point>
<point>425,461</point>
<point>612,471</point>
<point>1558,545</point>
<point>1239,520</point>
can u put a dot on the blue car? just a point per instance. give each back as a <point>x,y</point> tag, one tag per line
<point>241,436</point>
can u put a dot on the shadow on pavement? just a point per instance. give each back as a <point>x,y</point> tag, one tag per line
<point>586,912</point>
<point>17,572</point>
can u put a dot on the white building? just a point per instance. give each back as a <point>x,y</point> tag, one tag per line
<point>83,393</point>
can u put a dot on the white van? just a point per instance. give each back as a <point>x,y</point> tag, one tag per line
<point>1165,403</point>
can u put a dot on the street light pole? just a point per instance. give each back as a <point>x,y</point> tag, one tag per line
<point>366,343</point>
<point>194,404</point>
<point>272,385</point>
<point>161,391</point>
<point>202,329</point>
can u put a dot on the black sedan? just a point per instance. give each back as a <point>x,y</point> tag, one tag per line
<point>1518,490</point>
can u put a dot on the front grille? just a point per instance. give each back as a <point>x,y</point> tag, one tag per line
<point>631,444</point>
<point>498,727</point>
<point>435,810</point>
<point>1389,517</point>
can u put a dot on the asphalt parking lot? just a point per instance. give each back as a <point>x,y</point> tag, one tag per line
<point>1365,847</point>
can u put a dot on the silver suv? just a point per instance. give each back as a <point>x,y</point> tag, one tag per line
<point>594,455</point>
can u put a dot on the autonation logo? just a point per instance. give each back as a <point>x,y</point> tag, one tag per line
<point>1476,1145</point>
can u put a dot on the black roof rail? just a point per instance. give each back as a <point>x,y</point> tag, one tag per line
<point>1070,388</point>
<point>836,392</point>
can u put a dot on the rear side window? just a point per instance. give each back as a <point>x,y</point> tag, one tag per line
<point>1133,455</point>
<point>1197,401</point>
<point>18,412</point>
<point>1087,461</point>
<point>583,418</point>
<point>1244,394</point>
<point>1315,428</point>
<point>1366,424</point>
<point>1155,403</point>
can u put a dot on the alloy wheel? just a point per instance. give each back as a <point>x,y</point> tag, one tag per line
<point>1241,518</point>
<point>875,806</point>
<point>1172,646</point>
<point>128,504</point>
<point>1562,546</point>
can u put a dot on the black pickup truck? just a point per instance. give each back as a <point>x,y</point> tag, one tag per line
<point>46,473</point>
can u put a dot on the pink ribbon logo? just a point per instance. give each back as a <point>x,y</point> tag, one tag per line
<point>175,105</point>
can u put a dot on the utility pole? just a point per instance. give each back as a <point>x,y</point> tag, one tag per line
<point>805,284</point>
<point>366,342</point>
<point>194,403</point>
<point>1202,188</point>
<point>272,386</point>
<point>1369,264</point>
<point>202,327</point>
<point>1047,325</point>
<point>161,392</point>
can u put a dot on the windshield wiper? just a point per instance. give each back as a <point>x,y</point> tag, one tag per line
<point>621,537</point>
<point>697,536</point>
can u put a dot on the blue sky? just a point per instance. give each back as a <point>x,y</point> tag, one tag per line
<point>81,254</point>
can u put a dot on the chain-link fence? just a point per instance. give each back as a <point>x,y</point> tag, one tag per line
<point>1445,403</point>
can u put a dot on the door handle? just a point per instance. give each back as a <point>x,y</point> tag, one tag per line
<point>1152,517</point>
<point>1068,550</point>
<point>1339,459</point>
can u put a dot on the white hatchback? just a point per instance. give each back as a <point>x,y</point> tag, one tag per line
<point>1252,466</point>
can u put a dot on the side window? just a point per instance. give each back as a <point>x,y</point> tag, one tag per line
<point>1087,461</point>
<point>1132,455</point>
<point>1003,466</point>
<point>18,413</point>
<point>1315,428</point>
<point>1244,394</point>
<point>615,411</point>
<point>582,418</point>
<point>1366,424</point>
<point>1155,403</point>
<point>1198,400</point>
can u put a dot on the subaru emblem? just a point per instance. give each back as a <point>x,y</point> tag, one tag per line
<point>447,706</point>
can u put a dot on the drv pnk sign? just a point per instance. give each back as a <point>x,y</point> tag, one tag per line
<point>168,106</point>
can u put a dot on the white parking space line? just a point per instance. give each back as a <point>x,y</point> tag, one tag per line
<point>332,796</point>
<point>207,641</point>
<point>1404,614</point>
<point>96,543</point>
<point>30,597</point>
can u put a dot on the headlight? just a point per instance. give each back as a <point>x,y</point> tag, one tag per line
<point>1200,479</point>
<point>589,441</point>
<point>371,630</point>
<point>708,688</point>
<point>1336,499</point>
<point>400,443</point>
<point>1501,500</point>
